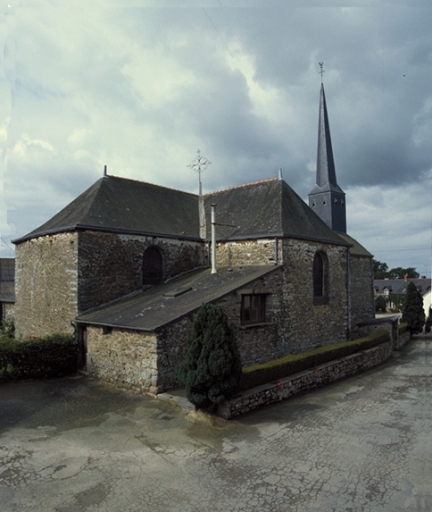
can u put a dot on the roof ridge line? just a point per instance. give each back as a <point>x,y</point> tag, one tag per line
<point>148,183</point>
<point>243,185</point>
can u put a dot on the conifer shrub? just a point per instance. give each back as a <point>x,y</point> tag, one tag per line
<point>211,368</point>
<point>380,304</point>
<point>413,313</point>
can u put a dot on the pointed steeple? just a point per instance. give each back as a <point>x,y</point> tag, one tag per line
<point>327,198</point>
<point>326,173</point>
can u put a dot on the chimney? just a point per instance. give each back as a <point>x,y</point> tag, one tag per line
<point>406,277</point>
<point>213,238</point>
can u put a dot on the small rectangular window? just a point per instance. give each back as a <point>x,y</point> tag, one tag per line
<point>253,308</point>
<point>106,330</point>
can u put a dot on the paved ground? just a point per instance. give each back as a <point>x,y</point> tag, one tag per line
<point>364,444</point>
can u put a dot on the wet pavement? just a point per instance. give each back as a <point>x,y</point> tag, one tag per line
<point>364,444</point>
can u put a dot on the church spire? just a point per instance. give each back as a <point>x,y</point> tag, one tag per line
<point>327,198</point>
<point>326,173</point>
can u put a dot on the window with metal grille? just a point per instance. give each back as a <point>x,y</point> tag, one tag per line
<point>253,308</point>
<point>152,266</point>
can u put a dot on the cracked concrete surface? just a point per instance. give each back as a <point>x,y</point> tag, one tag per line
<point>364,444</point>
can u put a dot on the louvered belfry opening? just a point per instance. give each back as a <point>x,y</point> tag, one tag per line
<point>152,266</point>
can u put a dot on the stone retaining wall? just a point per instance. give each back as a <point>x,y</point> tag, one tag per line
<point>389,324</point>
<point>305,381</point>
<point>401,340</point>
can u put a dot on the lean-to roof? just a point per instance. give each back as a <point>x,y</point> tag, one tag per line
<point>162,304</point>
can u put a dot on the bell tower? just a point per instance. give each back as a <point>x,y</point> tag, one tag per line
<point>327,199</point>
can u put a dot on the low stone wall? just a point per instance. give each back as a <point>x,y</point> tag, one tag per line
<point>401,340</point>
<point>390,324</point>
<point>305,381</point>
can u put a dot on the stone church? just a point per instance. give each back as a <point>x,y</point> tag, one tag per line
<point>127,264</point>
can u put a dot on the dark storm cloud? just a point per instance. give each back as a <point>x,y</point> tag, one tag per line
<point>377,64</point>
<point>378,68</point>
<point>142,88</point>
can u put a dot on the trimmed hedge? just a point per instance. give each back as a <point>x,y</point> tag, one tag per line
<point>259,374</point>
<point>51,356</point>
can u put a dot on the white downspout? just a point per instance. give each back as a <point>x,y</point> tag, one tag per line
<point>213,238</point>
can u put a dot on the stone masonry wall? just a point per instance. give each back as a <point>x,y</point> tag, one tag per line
<point>362,301</point>
<point>401,340</point>
<point>294,322</point>
<point>46,285</point>
<point>248,252</point>
<point>110,265</point>
<point>310,322</point>
<point>305,381</point>
<point>172,341</point>
<point>257,343</point>
<point>125,358</point>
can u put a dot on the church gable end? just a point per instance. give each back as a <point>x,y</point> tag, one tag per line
<point>112,265</point>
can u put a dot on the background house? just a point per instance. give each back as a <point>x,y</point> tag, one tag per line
<point>7,289</point>
<point>394,290</point>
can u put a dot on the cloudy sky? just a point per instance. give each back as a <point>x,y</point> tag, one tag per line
<point>140,85</point>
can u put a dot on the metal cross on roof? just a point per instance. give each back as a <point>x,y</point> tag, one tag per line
<point>321,70</point>
<point>199,164</point>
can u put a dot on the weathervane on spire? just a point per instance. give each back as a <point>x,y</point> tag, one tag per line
<point>321,70</point>
<point>199,164</point>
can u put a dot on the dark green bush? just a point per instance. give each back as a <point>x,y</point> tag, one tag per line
<point>380,304</point>
<point>259,374</point>
<point>413,313</point>
<point>211,367</point>
<point>7,329</point>
<point>51,356</point>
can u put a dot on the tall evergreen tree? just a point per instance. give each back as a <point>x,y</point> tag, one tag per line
<point>211,368</point>
<point>413,313</point>
<point>380,304</point>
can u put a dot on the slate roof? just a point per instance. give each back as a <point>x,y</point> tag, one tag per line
<point>357,249</point>
<point>266,208</point>
<point>7,280</point>
<point>162,304</point>
<point>399,286</point>
<point>326,171</point>
<point>126,206</point>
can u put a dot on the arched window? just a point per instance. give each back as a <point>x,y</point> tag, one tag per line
<point>152,269</point>
<point>320,275</point>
